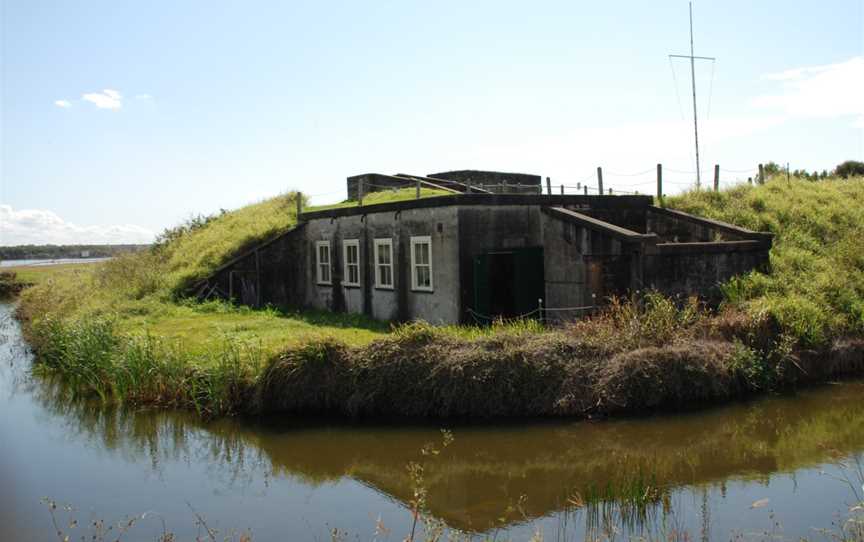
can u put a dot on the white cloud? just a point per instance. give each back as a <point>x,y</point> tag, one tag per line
<point>62,103</point>
<point>143,97</point>
<point>107,99</point>
<point>833,90</point>
<point>41,226</point>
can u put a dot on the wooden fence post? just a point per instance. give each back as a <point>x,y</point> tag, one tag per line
<point>299,197</point>
<point>585,188</point>
<point>562,189</point>
<point>600,180</point>
<point>360,192</point>
<point>660,182</point>
<point>417,191</point>
<point>761,179</point>
<point>716,177</point>
<point>548,186</point>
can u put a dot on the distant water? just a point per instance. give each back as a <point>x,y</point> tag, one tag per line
<point>57,261</point>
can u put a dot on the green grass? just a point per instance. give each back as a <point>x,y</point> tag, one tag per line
<point>386,196</point>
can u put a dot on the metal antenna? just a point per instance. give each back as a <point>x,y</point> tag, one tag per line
<point>693,59</point>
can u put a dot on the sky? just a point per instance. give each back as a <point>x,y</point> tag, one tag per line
<point>120,119</point>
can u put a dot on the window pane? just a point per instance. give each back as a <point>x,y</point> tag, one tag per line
<point>388,276</point>
<point>423,276</point>
<point>424,251</point>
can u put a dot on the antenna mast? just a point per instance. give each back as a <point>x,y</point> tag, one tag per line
<point>693,58</point>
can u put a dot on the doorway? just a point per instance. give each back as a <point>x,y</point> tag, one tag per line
<point>508,283</point>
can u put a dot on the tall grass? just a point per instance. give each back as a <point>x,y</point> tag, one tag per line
<point>141,369</point>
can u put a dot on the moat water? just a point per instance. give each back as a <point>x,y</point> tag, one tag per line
<point>776,465</point>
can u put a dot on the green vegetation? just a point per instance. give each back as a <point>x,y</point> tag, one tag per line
<point>122,330</point>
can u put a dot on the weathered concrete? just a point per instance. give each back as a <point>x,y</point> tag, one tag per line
<point>584,249</point>
<point>494,181</point>
<point>401,302</point>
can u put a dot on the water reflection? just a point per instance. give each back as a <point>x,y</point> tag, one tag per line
<point>490,476</point>
<point>477,482</point>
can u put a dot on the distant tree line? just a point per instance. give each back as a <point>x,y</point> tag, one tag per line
<point>50,252</point>
<point>849,168</point>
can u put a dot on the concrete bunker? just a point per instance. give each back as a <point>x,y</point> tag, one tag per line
<point>476,255</point>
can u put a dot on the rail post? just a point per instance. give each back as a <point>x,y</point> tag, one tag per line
<point>417,191</point>
<point>548,186</point>
<point>600,180</point>
<point>659,182</point>
<point>716,177</point>
<point>761,178</point>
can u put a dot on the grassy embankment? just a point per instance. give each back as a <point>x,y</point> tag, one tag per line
<point>119,329</point>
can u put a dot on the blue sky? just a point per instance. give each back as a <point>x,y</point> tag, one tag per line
<point>122,118</point>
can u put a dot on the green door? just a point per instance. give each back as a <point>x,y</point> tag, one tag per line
<point>508,284</point>
<point>481,288</point>
<point>529,283</point>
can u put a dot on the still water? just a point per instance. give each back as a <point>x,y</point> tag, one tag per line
<point>55,261</point>
<point>289,479</point>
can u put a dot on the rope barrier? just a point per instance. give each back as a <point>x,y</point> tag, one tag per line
<point>586,307</point>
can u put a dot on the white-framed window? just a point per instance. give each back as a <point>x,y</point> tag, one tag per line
<point>322,262</point>
<point>384,263</point>
<point>421,263</point>
<point>351,262</point>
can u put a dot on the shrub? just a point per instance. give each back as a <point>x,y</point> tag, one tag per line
<point>850,168</point>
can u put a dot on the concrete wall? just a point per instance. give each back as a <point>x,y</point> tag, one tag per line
<point>677,227</point>
<point>699,268</point>
<point>268,274</point>
<point>519,183</point>
<point>578,261</point>
<point>401,303</point>
<point>583,266</point>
